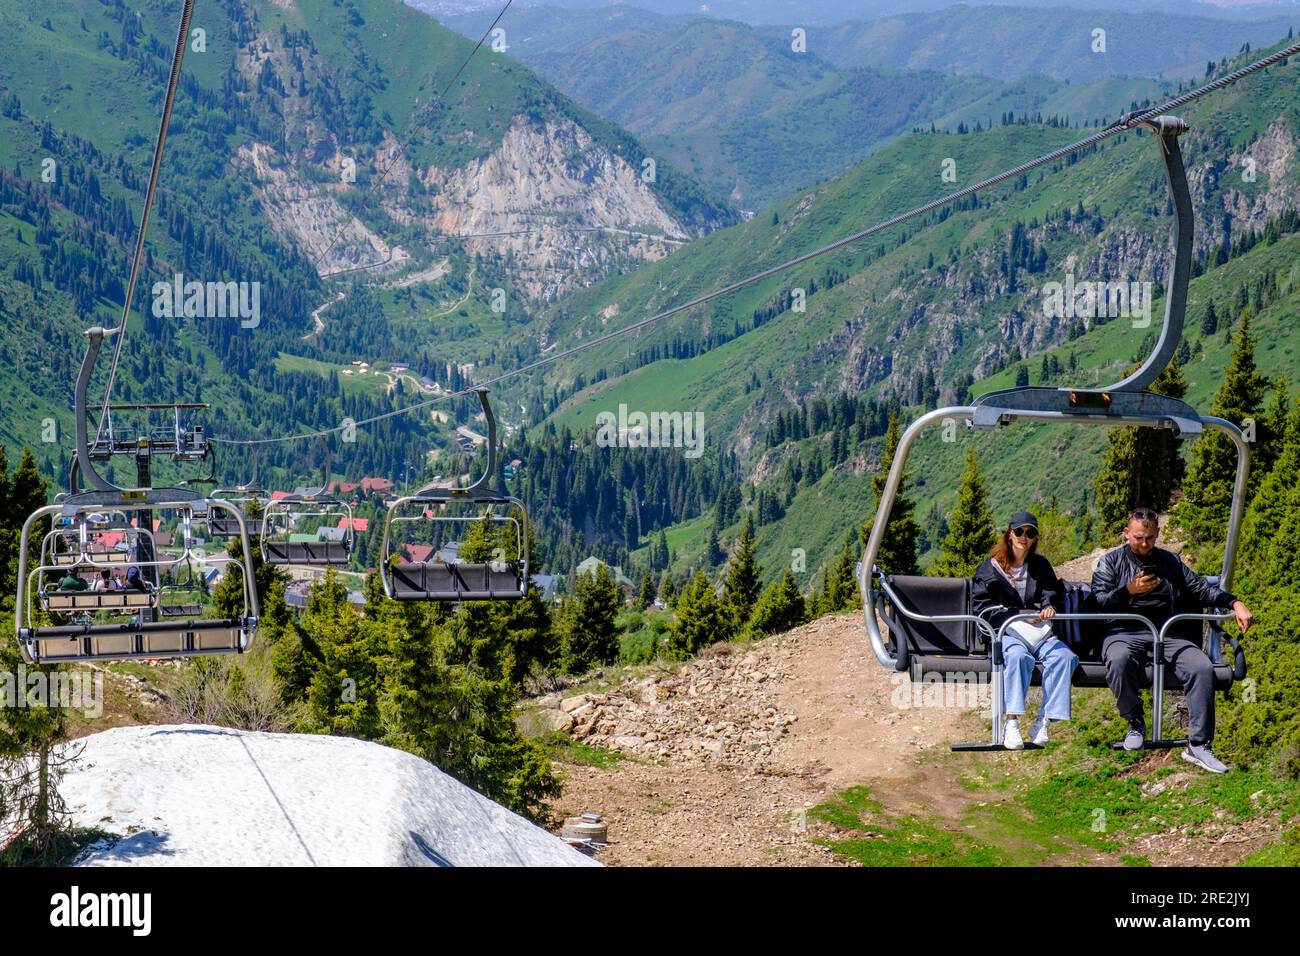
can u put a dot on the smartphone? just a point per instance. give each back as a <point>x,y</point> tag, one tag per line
<point>1151,570</point>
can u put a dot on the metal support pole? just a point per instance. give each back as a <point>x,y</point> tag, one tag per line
<point>144,522</point>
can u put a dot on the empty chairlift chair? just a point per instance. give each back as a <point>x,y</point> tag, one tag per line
<point>302,530</point>
<point>931,631</point>
<point>221,525</point>
<point>420,554</point>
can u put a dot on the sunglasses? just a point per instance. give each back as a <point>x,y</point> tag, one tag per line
<point>1030,533</point>
<point>1144,514</point>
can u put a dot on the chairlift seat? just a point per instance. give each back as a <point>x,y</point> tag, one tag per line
<point>1087,674</point>
<point>89,642</point>
<point>315,553</point>
<point>223,527</point>
<point>55,600</point>
<point>436,581</point>
<point>941,650</point>
<point>180,610</point>
<point>67,559</point>
<point>934,596</point>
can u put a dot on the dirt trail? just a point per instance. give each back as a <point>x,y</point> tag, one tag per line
<point>779,727</point>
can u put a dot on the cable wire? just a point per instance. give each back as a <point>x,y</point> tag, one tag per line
<point>137,258</point>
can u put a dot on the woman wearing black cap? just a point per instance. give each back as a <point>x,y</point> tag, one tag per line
<point>1015,578</point>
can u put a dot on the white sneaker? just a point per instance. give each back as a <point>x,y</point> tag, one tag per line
<point>1038,732</point>
<point>1011,738</point>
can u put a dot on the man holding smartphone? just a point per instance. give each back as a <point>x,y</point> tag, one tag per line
<point>1139,578</point>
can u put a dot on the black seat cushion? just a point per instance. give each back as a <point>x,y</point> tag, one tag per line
<point>933,596</point>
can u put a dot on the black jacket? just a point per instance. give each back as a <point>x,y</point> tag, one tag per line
<point>994,599</point>
<point>1181,589</point>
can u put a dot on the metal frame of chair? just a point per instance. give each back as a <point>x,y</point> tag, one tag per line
<point>1124,403</point>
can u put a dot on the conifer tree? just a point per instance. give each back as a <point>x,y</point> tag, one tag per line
<point>646,593</point>
<point>442,707</point>
<point>1268,509</point>
<point>1270,434</point>
<point>897,553</point>
<point>780,607</point>
<point>841,590</point>
<point>667,590</point>
<point>1142,466</point>
<point>30,765</point>
<point>1210,321</point>
<point>8,536</point>
<point>700,618</point>
<point>971,534</point>
<point>590,631</point>
<point>1202,514</point>
<point>662,557</point>
<point>343,691</point>
<point>741,588</point>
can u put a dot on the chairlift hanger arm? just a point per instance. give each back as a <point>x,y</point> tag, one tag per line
<point>1167,130</point>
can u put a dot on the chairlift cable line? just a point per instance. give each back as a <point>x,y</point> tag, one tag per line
<point>137,259</point>
<point>401,148</point>
<point>1124,123</point>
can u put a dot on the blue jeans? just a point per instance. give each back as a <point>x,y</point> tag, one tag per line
<point>1058,667</point>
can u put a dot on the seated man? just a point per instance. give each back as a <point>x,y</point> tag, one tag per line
<point>73,582</point>
<point>1139,578</point>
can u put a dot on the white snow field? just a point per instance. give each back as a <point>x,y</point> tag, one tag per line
<point>211,796</point>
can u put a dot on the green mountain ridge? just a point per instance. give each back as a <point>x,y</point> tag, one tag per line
<point>1057,41</point>
<point>744,113</point>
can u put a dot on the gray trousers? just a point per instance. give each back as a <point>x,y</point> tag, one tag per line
<point>1127,653</point>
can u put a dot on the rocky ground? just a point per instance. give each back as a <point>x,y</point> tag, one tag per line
<point>724,755</point>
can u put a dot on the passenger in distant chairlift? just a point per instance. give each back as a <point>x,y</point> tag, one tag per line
<point>73,582</point>
<point>104,582</point>
<point>1015,578</point>
<point>135,580</point>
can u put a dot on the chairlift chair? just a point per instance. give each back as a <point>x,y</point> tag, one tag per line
<point>220,526</point>
<point>131,631</point>
<point>283,519</point>
<point>440,576</point>
<point>183,598</point>
<point>931,632</point>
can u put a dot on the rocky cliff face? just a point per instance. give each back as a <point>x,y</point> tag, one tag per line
<point>560,204</point>
<point>559,208</point>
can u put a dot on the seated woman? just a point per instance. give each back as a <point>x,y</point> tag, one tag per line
<point>1012,580</point>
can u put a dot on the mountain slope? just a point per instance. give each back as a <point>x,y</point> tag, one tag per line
<point>272,111</point>
<point>1015,41</point>
<point>957,297</point>
<point>743,112</point>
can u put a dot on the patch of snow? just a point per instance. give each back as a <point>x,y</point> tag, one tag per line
<point>191,795</point>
